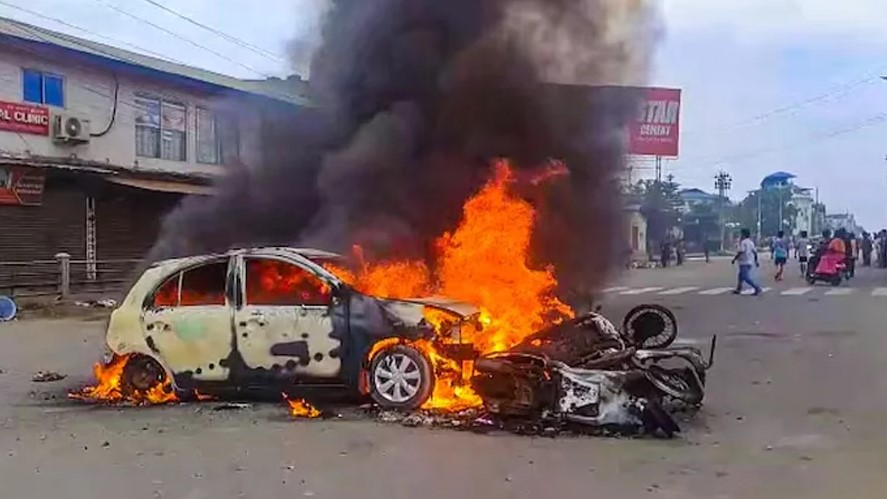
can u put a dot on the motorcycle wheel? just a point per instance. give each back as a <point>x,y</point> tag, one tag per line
<point>811,280</point>
<point>650,326</point>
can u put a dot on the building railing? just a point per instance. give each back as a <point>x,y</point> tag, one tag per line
<point>64,277</point>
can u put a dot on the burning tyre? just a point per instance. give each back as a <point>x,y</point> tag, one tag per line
<point>401,377</point>
<point>142,373</point>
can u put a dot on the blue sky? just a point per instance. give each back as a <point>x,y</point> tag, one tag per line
<point>768,84</point>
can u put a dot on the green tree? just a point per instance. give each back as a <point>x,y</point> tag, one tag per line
<point>659,201</point>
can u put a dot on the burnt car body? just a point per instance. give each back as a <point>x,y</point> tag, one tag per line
<point>588,372</point>
<point>268,317</point>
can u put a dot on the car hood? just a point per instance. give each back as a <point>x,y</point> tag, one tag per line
<point>410,311</point>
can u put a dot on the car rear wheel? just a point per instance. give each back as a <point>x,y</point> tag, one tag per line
<point>401,378</point>
<point>142,373</point>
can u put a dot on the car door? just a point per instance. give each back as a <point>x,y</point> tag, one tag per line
<point>283,325</point>
<point>187,321</point>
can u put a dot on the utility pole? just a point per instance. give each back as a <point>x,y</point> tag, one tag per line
<point>723,182</point>
<point>658,169</point>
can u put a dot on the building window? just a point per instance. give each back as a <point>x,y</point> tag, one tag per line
<point>160,129</point>
<point>218,140</point>
<point>43,88</point>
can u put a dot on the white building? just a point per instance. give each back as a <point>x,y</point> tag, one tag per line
<point>97,143</point>
<point>803,201</point>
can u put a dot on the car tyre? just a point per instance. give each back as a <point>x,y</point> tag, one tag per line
<point>401,377</point>
<point>142,373</point>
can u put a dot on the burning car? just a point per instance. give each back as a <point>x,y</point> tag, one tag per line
<point>274,316</point>
<point>586,371</point>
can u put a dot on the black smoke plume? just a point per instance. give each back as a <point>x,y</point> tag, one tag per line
<point>412,101</point>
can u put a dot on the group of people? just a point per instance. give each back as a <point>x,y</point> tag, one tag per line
<point>840,248</point>
<point>671,247</point>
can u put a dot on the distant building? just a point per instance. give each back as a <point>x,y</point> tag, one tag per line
<point>844,221</point>
<point>803,201</point>
<point>694,197</point>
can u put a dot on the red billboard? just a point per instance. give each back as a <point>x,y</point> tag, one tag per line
<point>21,186</point>
<point>24,118</point>
<point>656,129</point>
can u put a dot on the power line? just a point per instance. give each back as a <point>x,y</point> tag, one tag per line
<point>814,139</point>
<point>242,43</point>
<point>180,37</point>
<point>835,93</point>
<point>90,32</point>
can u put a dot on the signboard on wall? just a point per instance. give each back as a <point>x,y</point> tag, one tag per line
<point>24,118</point>
<point>21,186</point>
<point>656,129</point>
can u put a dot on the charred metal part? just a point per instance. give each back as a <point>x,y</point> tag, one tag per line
<point>586,371</point>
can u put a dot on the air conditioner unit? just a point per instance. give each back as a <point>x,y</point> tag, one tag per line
<point>68,129</point>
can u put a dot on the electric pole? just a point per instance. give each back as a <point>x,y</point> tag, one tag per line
<point>723,182</point>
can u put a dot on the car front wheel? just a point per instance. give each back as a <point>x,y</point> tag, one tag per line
<point>401,378</point>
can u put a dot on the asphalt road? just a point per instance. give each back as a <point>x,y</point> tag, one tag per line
<point>795,407</point>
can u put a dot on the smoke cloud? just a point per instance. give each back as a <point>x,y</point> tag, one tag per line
<point>413,99</point>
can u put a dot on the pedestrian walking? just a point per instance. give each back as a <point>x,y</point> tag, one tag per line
<point>665,252</point>
<point>679,252</point>
<point>706,248</point>
<point>780,253</point>
<point>867,248</point>
<point>852,247</point>
<point>882,249</point>
<point>802,251</point>
<point>746,257</point>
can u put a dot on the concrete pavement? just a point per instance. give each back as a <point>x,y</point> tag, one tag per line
<point>795,408</point>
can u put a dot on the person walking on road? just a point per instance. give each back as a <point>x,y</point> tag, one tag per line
<point>882,249</point>
<point>780,253</point>
<point>867,248</point>
<point>746,256</point>
<point>802,251</point>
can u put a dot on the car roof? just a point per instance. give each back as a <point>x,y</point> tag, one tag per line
<point>309,253</point>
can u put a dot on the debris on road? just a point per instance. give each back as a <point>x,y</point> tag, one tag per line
<point>587,372</point>
<point>105,303</point>
<point>47,376</point>
<point>232,406</point>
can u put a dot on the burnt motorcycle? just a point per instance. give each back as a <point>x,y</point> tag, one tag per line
<point>586,371</point>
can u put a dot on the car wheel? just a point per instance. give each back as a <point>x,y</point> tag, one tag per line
<point>142,373</point>
<point>401,378</point>
<point>836,281</point>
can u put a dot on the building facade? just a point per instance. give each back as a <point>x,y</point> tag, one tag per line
<point>97,143</point>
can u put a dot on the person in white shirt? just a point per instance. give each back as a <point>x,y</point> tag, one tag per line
<point>746,256</point>
<point>802,250</point>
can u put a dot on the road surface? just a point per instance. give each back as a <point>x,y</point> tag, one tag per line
<point>796,407</point>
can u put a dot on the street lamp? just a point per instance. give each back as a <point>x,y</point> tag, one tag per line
<point>723,182</point>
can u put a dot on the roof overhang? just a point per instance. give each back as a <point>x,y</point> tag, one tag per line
<point>163,186</point>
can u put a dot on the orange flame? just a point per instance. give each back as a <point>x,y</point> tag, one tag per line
<point>110,387</point>
<point>485,262</point>
<point>300,408</point>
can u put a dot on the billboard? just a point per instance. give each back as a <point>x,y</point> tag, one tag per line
<point>655,131</point>
<point>21,186</point>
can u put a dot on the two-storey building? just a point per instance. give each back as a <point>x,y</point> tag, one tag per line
<point>98,143</point>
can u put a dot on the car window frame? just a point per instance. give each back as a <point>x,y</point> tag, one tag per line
<point>242,277</point>
<point>179,272</point>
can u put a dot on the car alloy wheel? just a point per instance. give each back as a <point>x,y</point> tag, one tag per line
<point>401,377</point>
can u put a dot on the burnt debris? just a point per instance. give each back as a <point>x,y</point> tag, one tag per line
<point>413,99</point>
<point>587,372</point>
